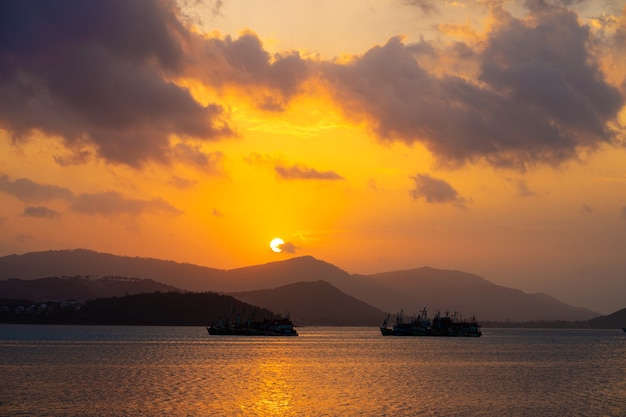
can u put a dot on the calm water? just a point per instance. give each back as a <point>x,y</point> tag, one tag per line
<point>182,371</point>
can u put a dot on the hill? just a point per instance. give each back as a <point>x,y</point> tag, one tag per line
<point>88,263</point>
<point>78,288</point>
<point>448,290</point>
<point>315,303</point>
<point>159,308</point>
<point>410,290</point>
<point>615,320</point>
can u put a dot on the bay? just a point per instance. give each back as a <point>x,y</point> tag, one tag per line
<point>326,371</point>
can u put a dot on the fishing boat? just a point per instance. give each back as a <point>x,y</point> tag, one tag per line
<point>421,325</point>
<point>267,327</point>
<point>418,326</point>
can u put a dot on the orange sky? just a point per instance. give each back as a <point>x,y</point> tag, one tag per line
<point>382,135</point>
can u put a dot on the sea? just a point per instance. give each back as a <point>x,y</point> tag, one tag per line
<point>57,370</point>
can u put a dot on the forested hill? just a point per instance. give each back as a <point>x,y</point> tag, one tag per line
<point>163,309</point>
<point>614,320</point>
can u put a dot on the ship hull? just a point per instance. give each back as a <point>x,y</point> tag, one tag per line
<point>280,327</point>
<point>395,332</point>
<point>225,331</point>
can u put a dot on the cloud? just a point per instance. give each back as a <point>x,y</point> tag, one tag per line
<point>548,68</point>
<point>522,188</point>
<point>434,190</point>
<point>586,208</point>
<point>243,62</point>
<point>540,96</point>
<point>106,203</point>
<point>41,212</point>
<point>96,72</point>
<point>29,191</point>
<point>288,247</point>
<point>537,95</point>
<point>216,8</point>
<point>112,203</point>
<point>302,172</point>
<point>209,162</point>
<point>182,183</point>
<point>291,172</point>
<point>426,6</point>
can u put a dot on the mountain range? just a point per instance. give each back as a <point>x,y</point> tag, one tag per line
<point>78,288</point>
<point>317,290</point>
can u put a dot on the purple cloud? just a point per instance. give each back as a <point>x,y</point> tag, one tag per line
<point>434,190</point>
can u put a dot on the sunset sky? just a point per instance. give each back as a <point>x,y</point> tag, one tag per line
<point>484,136</point>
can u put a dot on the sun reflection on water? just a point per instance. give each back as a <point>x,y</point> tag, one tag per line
<point>270,390</point>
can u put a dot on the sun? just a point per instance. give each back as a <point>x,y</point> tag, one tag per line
<point>276,244</point>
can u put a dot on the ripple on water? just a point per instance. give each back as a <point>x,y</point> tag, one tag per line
<point>325,371</point>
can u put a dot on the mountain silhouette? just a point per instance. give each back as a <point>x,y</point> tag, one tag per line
<point>80,289</point>
<point>88,263</point>
<point>449,290</point>
<point>615,320</point>
<point>314,303</point>
<point>410,290</point>
<point>275,274</point>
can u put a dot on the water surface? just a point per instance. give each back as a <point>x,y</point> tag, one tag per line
<point>326,371</point>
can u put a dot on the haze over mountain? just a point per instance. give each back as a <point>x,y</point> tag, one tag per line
<point>410,290</point>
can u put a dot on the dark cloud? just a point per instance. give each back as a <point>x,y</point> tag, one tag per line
<point>29,191</point>
<point>544,3</point>
<point>41,212</point>
<point>302,172</point>
<point>288,247</point>
<point>243,62</point>
<point>434,190</point>
<point>93,72</point>
<point>96,74</point>
<point>210,162</point>
<point>291,172</point>
<point>522,187</point>
<point>256,158</point>
<point>426,6</point>
<point>547,68</point>
<point>107,203</point>
<point>541,97</point>
<point>112,203</point>
<point>619,41</point>
<point>182,183</point>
